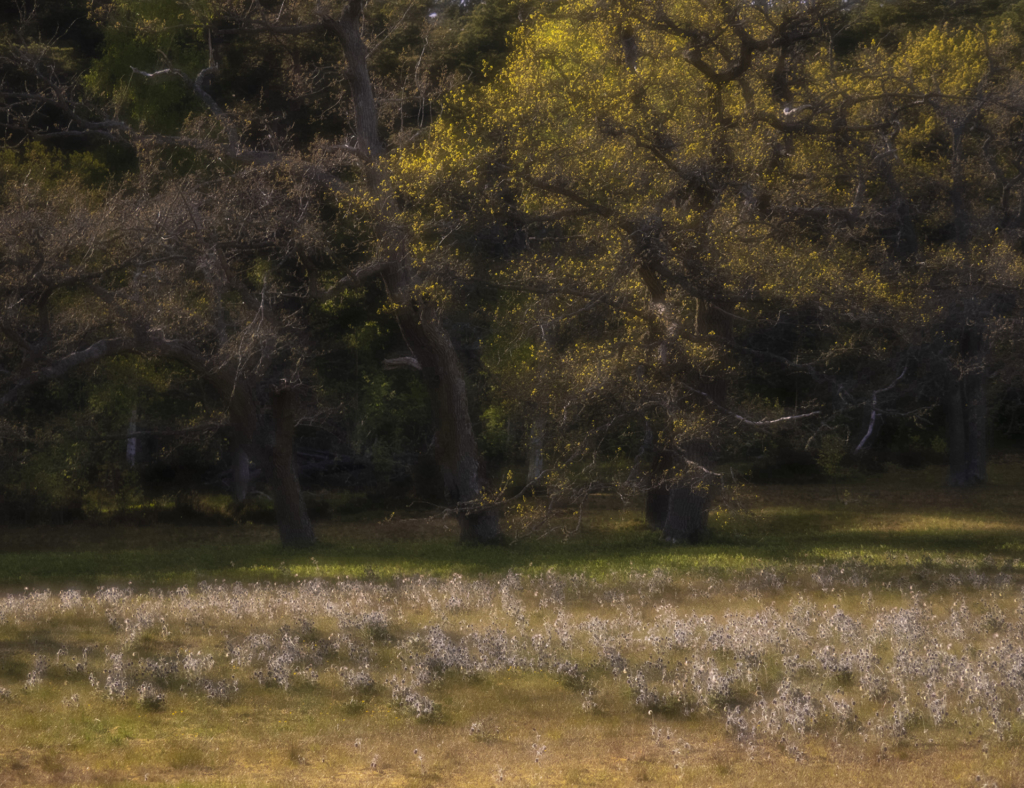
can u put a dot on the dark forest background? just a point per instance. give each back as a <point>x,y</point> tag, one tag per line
<point>282,259</point>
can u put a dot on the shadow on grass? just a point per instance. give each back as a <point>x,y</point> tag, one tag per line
<point>891,526</point>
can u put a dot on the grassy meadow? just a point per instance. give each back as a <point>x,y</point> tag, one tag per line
<point>850,633</point>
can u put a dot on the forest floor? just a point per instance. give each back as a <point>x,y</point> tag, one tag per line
<point>854,632</point>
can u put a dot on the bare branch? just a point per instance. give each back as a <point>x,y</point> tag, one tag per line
<point>198,86</point>
<point>98,350</point>
<point>357,278</point>
<point>740,419</point>
<point>874,413</point>
<point>404,362</point>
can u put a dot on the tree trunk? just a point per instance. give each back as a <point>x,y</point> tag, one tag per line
<point>678,503</point>
<point>131,449</point>
<point>239,472</point>
<point>966,420</point>
<point>686,520</point>
<point>270,442</point>
<point>293,521</point>
<point>976,423</point>
<point>455,442</point>
<point>658,490</point>
<point>965,401</point>
<point>535,458</point>
<point>539,426</point>
<point>420,326</point>
<point>679,509</point>
<point>245,431</point>
<point>677,499</point>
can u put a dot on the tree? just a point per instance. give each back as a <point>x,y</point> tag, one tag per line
<point>715,170</point>
<point>642,151</point>
<point>943,190</point>
<point>48,104</point>
<point>412,304</point>
<point>971,106</point>
<point>183,272</point>
<point>672,223</point>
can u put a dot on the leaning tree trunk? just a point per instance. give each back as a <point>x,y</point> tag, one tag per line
<point>966,421</point>
<point>455,442</point>
<point>418,321</point>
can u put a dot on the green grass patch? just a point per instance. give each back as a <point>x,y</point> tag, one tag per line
<point>892,524</point>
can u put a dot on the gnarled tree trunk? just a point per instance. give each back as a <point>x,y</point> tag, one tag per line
<point>455,442</point>
<point>420,325</point>
<point>681,479</point>
<point>268,438</point>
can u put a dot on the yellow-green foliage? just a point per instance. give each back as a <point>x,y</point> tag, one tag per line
<point>607,133</point>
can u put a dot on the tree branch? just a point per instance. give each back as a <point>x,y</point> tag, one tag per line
<point>98,350</point>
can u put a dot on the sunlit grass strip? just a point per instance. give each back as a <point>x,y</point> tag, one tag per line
<point>890,524</point>
<point>602,551</point>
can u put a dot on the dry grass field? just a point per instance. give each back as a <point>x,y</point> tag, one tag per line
<point>851,634</point>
